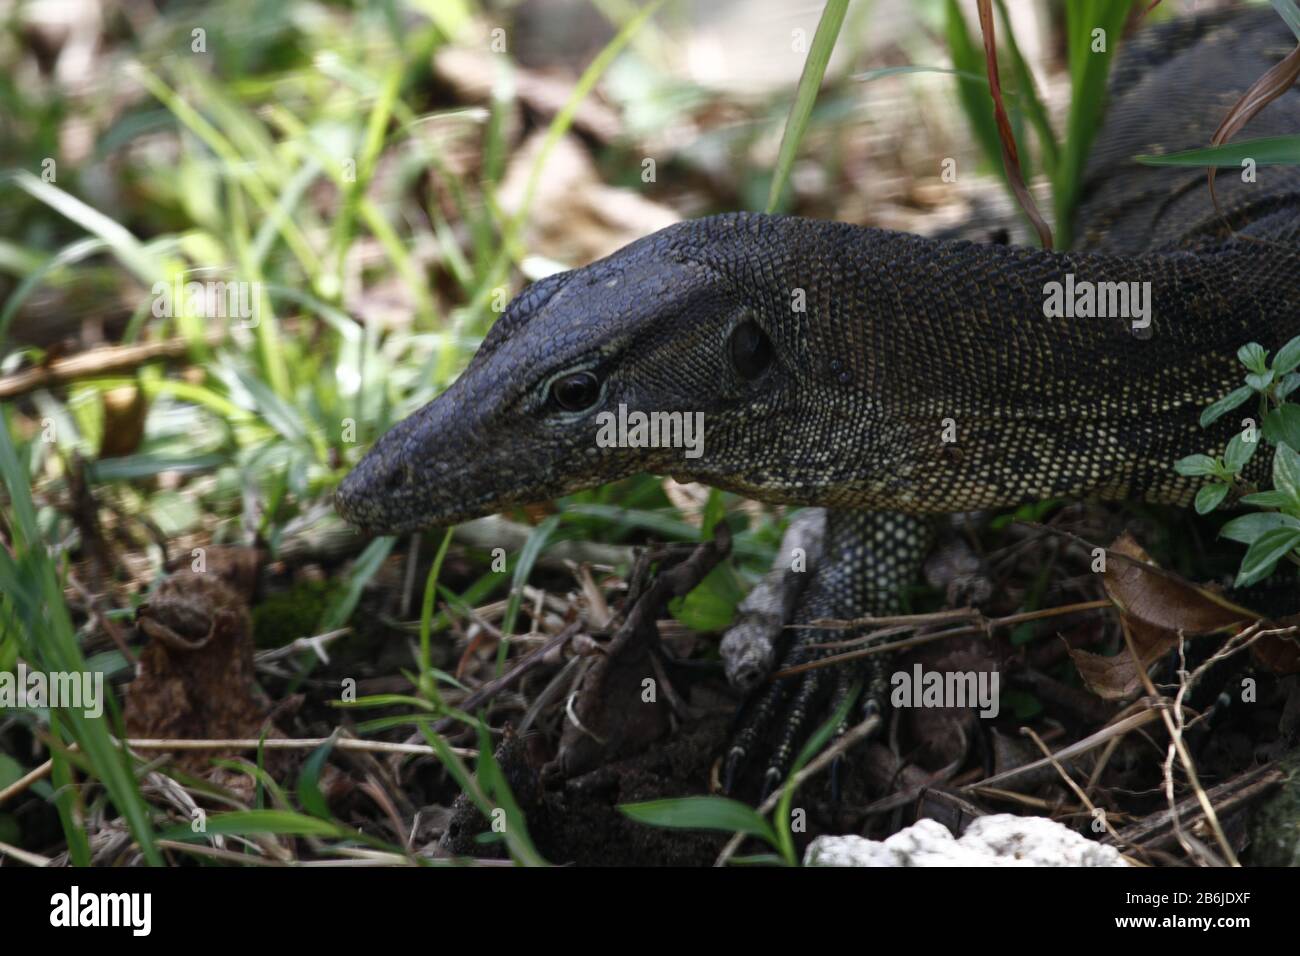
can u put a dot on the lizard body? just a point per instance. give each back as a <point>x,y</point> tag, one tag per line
<point>889,377</point>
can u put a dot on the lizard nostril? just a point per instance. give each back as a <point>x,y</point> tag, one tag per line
<point>396,478</point>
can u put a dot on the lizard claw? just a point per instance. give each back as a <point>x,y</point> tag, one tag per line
<point>846,584</point>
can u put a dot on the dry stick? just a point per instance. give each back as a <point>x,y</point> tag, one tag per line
<point>1236,643</point>
<point>107,360</point>
<point>1176,742</point>
<point>498,684</point>
<point>107,626</point>
<point>1119,728</point>
<point>227,856</point>
<point>315,644</point>
<point>1226,796</point>
<point>1078,791</point>
<point>24,856</point>
<point>1012,796</point>
<point>979,624</point>
<point>815,766</point>
<point>972,616</point>
<point>241,743</point>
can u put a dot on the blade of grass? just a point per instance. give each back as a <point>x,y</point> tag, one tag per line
<point>1088,75</point>
<point>1265,151</point>
<point>523,568</point>
<point>495,275</point>
<point>116,237</point>
<point>428,687</point>
<point>1028,95</point>
<point>363,569</point>
<point>973,94</point>
<point>805,97</point>
<point>1275,82</point>
<point>49,642</point>
<point>192,120</point>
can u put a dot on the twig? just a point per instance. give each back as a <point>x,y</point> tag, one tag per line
<point>1227,796</point>
<point>1119,728</point>
<point>24,856</point>
<point>1078,791</point>
<point>315,644</point>
<point>1176,743</point>
<point>106,360</point>
<point>977,623</point>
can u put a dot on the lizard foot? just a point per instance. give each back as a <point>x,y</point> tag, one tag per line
<point>868,557</point>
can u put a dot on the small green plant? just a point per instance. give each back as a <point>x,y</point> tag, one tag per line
<point>1271,534</point>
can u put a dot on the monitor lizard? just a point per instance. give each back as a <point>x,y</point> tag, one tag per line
<point>886,377</point>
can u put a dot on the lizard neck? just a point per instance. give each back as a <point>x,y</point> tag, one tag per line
<point>964,376</point>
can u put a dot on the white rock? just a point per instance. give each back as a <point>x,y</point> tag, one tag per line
<point>1001,839</point>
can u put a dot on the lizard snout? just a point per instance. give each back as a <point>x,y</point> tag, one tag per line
<point>376,478</point>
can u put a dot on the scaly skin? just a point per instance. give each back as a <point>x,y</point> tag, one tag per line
<point>901,343</point>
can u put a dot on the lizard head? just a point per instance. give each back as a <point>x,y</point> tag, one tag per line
<point>657,359</point>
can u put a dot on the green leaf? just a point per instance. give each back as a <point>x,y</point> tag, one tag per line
<point>1028,91</point>
<point>1264,553</point>
<point>1289,11</point>
<point>1265,151</point>
<point>427,685</point>
<point>1287,385</point>
<point>1266,499</point>
<point>132,253</point>
<point>1239,452</point>
<point>711,604</point>
<point>1253,356</point>
<point>1196,466</point>
<point>245,822</point>
<point>1210,497</point>
<point>1224,405</point>
<point>1288,356</point>
<point>365,567</point>
<point>702,813</point>
<point>309,791</point>
<point>1286,472</point>
<point>1249,527</point>
<point>1261,380</point>
<point>810,82</point>
<point>1282,425</point>
<point>148,464</point>
<point>715,510</point>
<point>1089,69</point>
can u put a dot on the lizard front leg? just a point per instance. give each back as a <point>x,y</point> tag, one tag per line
<point>868,558</point>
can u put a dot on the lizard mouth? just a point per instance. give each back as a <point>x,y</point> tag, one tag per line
<point>379,514</point>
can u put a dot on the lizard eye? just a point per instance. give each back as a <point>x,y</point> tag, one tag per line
<point>751,350</point>
<point>575,392</point>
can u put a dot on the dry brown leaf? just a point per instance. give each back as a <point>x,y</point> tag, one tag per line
<point>1118,677</point>
<point>1154,596</point>
<point>1158,606</point>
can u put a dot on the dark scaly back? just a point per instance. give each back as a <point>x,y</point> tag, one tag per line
<point>1172,85</point>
